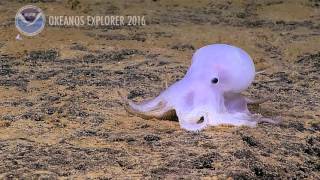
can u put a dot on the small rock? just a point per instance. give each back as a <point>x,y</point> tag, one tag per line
<point>250,140</point>
<point>151,138</point>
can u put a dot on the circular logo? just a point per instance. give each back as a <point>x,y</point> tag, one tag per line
<point>30,20</point>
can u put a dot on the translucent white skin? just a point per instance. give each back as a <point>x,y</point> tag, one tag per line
<point>196,97</point>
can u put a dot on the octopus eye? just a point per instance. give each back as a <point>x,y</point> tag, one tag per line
<point>214,80</point>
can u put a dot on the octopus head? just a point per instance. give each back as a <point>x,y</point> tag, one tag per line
<point>223,67</point>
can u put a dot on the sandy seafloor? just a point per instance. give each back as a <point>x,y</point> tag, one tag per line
<point>60,115</point>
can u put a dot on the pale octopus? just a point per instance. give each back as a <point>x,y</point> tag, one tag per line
<point>209,94</point>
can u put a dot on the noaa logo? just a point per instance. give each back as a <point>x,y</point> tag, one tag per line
<point>30,20</point>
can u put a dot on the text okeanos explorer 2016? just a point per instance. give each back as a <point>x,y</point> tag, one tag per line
<point>97,20</point>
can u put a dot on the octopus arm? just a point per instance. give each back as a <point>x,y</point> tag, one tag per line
<point>237,108</point>
<point>156,108</point>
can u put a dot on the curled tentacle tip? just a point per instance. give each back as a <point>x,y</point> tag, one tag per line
<point>193,127</point>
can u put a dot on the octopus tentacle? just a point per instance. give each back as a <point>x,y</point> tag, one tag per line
<point>233,119</point>
<point>193,127</point>
<point>155,108</point>
<point>237,107</point>
<point>193,123</point>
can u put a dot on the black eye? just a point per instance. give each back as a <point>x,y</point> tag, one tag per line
<point>214,80</point>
